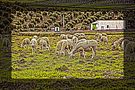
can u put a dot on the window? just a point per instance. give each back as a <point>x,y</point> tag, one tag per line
<point>107,26</point>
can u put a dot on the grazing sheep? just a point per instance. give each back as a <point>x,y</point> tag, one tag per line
<point>36,37</point>
<point>63,36</point>
<point>25,43</point>
<point>77,34</point>
<point>104,39</point>
<point>69,36</point>
<point>80,35</point>
<point>33,44</point>
<point>43,44</point>
<point>61,47</point>
<point>46,39</point>
<point>65,46</point>
<point>74,40</point>
<point>104,34</point>
<point>98,36</point>
<point>117,43</point>
<point>86,44</point>
<point>130,49</point>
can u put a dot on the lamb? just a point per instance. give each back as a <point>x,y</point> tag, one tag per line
<point>36,37</point>
<point>63,36</point>
<point>74,40</point>
<point>65,46</point>
<point>117,43</point>
<point>104,39</point>
<point>33,44</point>
<point>46,39</point>
<point>86,44</point>
<point>80,35</point>
<point>25,43</point>
<point>98,36</point>
<point>130,49</point>
<point>43,44</point>
<point>69,36</point>
<point>104,34</point>
<point>61,47</point>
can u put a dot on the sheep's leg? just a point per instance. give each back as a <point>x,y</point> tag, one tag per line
<point>82,53</point>
<point>93,51</point>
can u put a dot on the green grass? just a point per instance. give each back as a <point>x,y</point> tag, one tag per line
<point>45,64</point>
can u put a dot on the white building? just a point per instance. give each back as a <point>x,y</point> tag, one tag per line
<point>108,24</point>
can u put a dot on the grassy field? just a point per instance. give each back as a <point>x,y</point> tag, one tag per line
<point>47,65</point>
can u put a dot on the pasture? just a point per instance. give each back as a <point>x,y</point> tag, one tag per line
<point>47,65</point>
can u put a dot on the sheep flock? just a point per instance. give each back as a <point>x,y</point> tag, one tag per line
<point>70,44</point>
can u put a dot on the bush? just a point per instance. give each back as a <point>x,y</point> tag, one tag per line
<point>49,21</point>
<point>31,25</point>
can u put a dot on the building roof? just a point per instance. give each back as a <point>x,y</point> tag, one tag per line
<point>108,21</point>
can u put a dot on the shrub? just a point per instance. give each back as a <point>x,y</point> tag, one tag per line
<point>31,25</point>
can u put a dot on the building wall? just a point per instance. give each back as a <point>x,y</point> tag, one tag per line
<point>109,24</point>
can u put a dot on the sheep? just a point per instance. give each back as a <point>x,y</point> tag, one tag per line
<point>104,34</point>
<point>98,36</point>
<point>63,36</point>
<point>43,44</point>
<point>33,44</point>
<point>69,36</point>
<point>61,47</point>
<point>25,43</point>
<point>86,44</point>
<point>36,37</point>
<point>130,49</point>
<point>74,40</point>
<point>117,43</point>
<point>80,35</point>
<point>46,39</point>
<point>65,46</point>
<point>104,39</point>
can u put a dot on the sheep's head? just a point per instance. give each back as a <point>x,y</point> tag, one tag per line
<point>36,37</point>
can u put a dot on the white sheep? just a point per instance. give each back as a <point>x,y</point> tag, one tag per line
<point>86,44</point>
<point>25,43</point>
<point>104,34</point>
<point>98,36</point>
<point>104,39</point>
<point>117,43</point>
<point>74,40</point>
<point>43,44</point>
<point>33,44</point>
<point>63,36</point>
<point>69,36</point>
<point>80,35</point>
<point>62,47</point>
<point>46,39</point>
<point>35,36</point>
